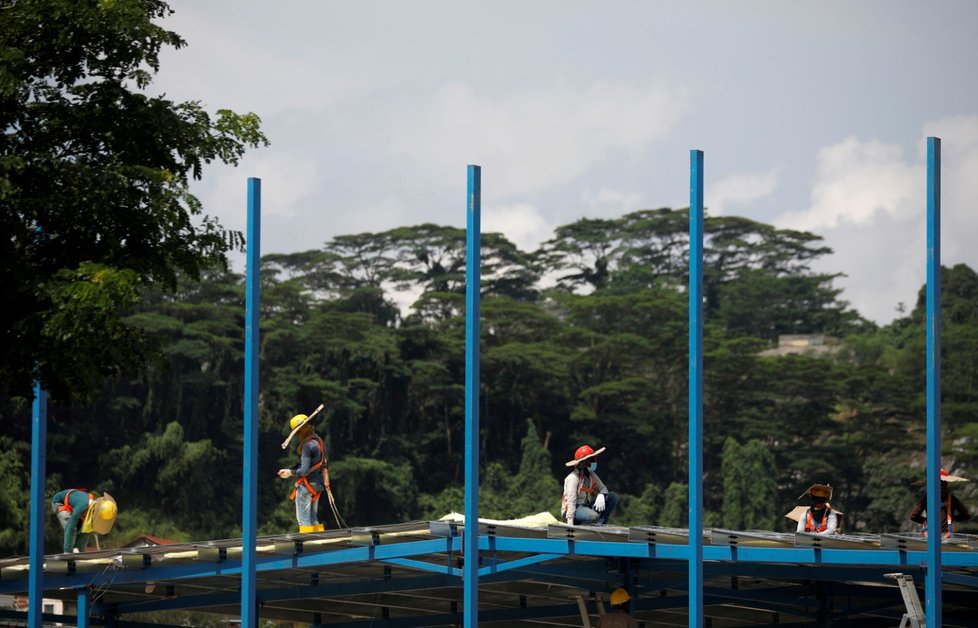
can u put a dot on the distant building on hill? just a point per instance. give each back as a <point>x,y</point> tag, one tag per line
<point>803,344</point>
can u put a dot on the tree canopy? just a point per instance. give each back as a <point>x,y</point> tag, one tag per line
<point>94,178</point>
<point>604,365</point>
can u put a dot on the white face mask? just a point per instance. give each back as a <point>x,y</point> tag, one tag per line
<point>591,467</point>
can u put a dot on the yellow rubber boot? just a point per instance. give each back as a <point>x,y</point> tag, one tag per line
<point>319,527</point>
<point>305,529</point>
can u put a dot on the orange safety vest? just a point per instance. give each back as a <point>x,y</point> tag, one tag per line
<point>810,523</point>
<point>67,506</point>
<point>321,464</point>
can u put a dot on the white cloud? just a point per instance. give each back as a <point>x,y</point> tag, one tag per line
<point>608,201</point>
<point>854,180</point>
<point>521,223</point>
<point>531,140</point>
<point>287,182</point>
<point>388,211</point>
<point>232,66</point>
<point>740,188</point>
<point>869,203</point>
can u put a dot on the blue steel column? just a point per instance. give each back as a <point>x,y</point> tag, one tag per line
<point>932,578</point>
<point>249,524</point>
<point>39,440</point>
<point>695,388</point>
<point>473,260</point>
<point>84,606</point>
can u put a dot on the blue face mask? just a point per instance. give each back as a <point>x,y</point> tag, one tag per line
<point>591,467</point>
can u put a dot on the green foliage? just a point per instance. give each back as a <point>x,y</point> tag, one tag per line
<point>559,368</point>
<point>172,474</point>
<point>640,510</point>
<point>94,178</point>
<point>675,510</point>
<point>749,487</point>
<point>503,495</point>
<point>15,494</point>
<point>372,492</point>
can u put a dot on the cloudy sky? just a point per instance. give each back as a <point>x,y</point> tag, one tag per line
<point>812,115</point>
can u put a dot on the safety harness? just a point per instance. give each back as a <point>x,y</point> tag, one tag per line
<point>67,506</point>
<point>321,464</point>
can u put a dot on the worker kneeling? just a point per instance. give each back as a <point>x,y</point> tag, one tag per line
<point>586,499</point>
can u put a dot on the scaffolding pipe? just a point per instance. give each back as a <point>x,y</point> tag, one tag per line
<point>472,285</point>
<point>39,439</point>
<point>249,523</point>
<point>932,578</point>
<point>695,388</point>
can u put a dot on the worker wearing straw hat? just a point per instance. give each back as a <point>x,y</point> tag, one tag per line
<point>81,514</point>
<point>819,518</point>
<point>586,499</point>
<point>952,510</point>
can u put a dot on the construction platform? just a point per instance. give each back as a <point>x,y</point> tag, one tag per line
<point>410,574</point>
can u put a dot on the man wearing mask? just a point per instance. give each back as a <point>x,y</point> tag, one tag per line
<point>819,518</point>
<point>586,499</point>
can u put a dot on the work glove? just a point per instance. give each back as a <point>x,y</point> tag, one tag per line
<point>285,473</point>
<point>74,550</point>
<point>599,503</point>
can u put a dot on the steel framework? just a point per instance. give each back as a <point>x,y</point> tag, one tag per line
<point>416,574</point>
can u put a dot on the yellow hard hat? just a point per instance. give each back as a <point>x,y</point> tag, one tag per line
<point>297,420</point>
<point>109,511</point>
<point>103,517</point>
<point>619,596</point>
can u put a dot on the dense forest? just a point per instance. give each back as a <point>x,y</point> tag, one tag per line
<point>583,341</point>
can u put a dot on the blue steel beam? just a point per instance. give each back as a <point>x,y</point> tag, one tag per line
<point>425,566</point>
<point>517,563</point>
<point>932,577</point>
<point>249,523</point>
<point>800,555</point>
<point>233,568</point>
<point>805,562</point>
<point>39,439</point>
<point>473,274</point>
<point>695,388</point>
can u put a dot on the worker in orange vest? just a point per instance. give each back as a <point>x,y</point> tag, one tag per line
<point>81,514</point>
<point>820,518</point>
<point>313,477</point>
